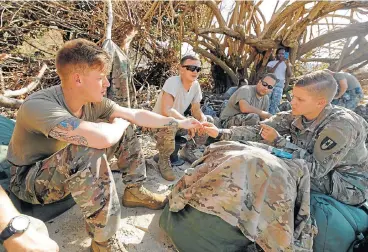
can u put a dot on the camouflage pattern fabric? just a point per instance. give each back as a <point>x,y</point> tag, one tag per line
<point>85,173</point>
<point>246,186</point>
<point>165,138</point>
<point>285,106</point>
<point>350,99</point>
<point>241,120</point>
<point>333,145</point>
<point>275,99</point>
<point>122,89</point>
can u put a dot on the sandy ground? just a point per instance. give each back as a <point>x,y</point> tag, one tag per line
<point>139,226</point>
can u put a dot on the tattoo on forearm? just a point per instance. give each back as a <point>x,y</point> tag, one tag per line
<point>62,132</point>
<point>172,124</point>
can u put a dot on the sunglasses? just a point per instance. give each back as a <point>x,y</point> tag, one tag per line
<point>193,68</point>
<point>265,84</point>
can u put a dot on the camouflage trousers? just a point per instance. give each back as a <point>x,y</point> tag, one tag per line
<point>165,139</point>
<point>350,99</point>
<point>84,173</point>
<point>241,120</point>
<point>275,99</point>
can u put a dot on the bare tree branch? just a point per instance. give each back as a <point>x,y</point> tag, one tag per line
<point>29,87</point>
<point>348,31</point>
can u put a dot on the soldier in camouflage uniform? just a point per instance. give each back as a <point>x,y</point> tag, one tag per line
<point>249,104</point>
<point>330,138</point>
<point>58,147</point>
<point>178,93</point>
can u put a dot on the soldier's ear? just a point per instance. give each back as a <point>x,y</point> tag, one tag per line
<point>76,79</point>
<point>321,102</point>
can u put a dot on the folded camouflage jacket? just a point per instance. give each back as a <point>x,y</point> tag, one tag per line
<point>266,197</point>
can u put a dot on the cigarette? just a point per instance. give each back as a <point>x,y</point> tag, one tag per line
<point>260,132</point>
<point>194,141</point>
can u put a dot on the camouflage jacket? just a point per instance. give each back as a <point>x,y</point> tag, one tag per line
<point>333,145</point>
<point>266,197</point>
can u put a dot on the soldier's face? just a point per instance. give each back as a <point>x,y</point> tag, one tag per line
<point>190,70</point>
<point>265,86</point>
<point>93,85</point>
<point>305,102</point>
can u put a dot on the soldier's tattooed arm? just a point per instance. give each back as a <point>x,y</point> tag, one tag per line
<point>63,130</point>
<point>150,119</point>
<point>172,124</point>
<point>96,135</point>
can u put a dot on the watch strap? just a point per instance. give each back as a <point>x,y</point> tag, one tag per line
<point>6,233</point>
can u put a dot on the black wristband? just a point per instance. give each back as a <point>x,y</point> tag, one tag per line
<point>219,134</point>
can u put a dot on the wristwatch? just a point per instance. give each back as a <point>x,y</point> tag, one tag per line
<point>17,225</point>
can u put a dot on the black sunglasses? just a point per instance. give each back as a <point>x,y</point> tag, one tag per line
<point>193,68</point>
<point>265,84</point>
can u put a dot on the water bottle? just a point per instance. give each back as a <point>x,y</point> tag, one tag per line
<point>280,153</point>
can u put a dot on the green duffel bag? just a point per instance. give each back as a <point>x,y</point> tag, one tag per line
<point>341,227</point>
<point>194,231</point>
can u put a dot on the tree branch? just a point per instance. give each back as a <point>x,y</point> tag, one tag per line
<point>216,60</point>
<point>348,31</point>
<point>10,102</point>
<point>29,87</point>
<point>215,10</point>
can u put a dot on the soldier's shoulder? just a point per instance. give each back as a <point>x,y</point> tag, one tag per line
<point>345,117</point>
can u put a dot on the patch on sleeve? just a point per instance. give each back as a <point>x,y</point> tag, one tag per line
<point>327,143</point>
<point>330,142</point>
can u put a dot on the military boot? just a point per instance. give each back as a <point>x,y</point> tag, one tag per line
<point>166,169</point>
<point>187,153</point>
<point>138,196</point>
<point>111,245</point>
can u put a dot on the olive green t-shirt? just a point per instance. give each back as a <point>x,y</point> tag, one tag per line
<point>351,80</point>
<point>40,113</point>
<point>248,94</point>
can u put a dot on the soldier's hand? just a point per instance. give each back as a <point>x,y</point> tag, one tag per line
<point>191,133</point>
<point>30,241</point>
<point>268,133</point>
<point>210,129</point>
<point>189,123</point>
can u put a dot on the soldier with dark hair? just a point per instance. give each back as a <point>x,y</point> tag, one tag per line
<point>178,93</point>
<point>249,104</point>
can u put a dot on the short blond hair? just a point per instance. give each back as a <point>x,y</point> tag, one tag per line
<point>82,55</point>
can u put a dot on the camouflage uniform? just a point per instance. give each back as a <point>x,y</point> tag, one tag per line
<point>333,145</point>
<point>85,173</point>
<point>241,120</point>
<point>266,197</point>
